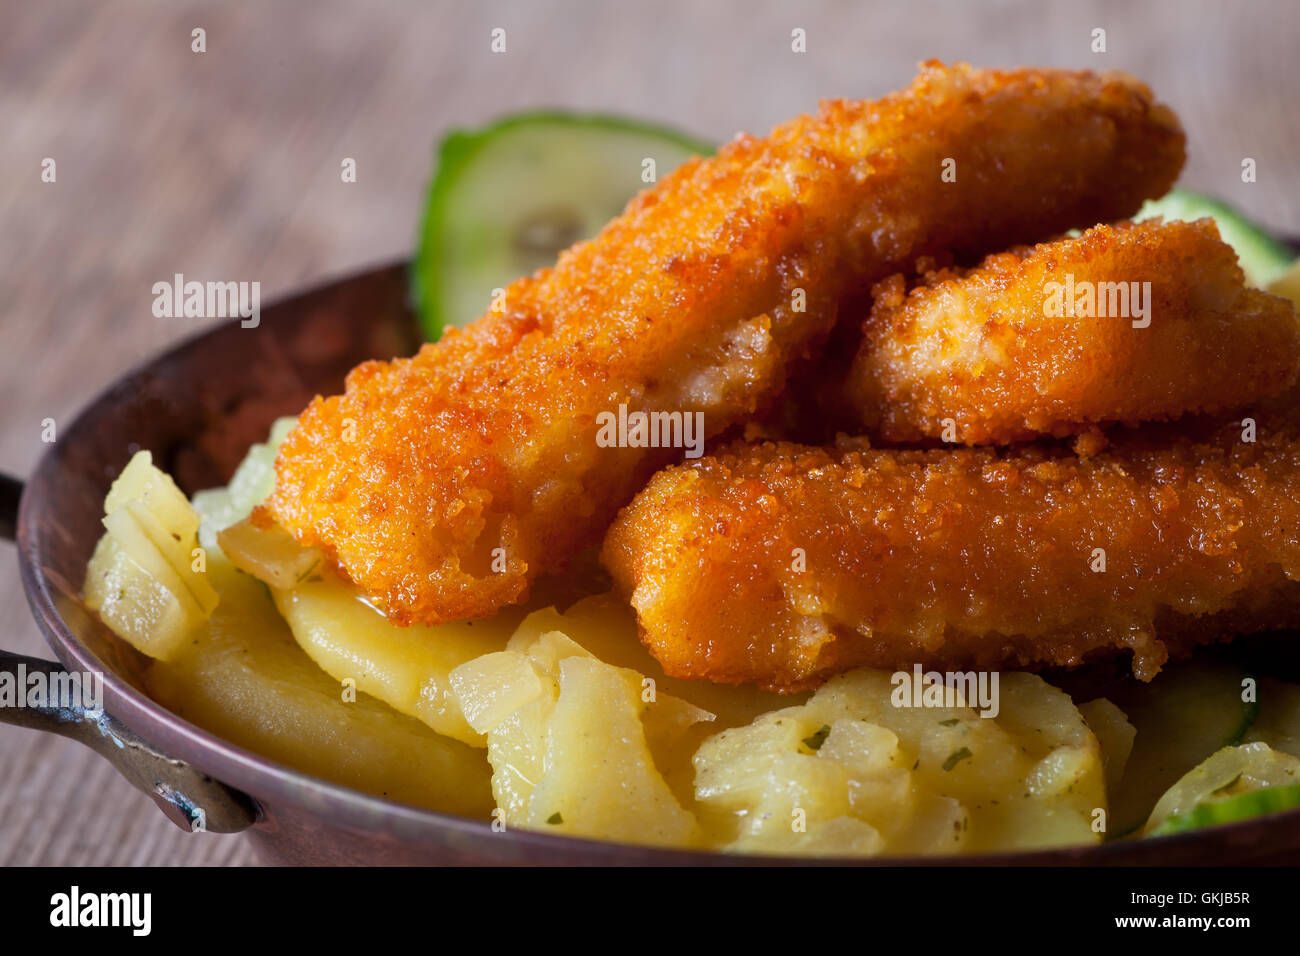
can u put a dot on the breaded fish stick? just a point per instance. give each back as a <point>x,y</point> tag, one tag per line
<point>781,565</point>
<point>1127,323</point>
<point>443,485</point>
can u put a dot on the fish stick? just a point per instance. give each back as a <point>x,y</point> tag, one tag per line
<point>1127,323</point>
<point>445,484</point>
<point>781,565</point>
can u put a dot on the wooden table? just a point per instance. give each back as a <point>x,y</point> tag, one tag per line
<point>227,164</point>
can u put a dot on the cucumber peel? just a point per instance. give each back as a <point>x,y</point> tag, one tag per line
<point>1233,784</point>
<point>507,198</point>
<point>1243,806</point>
<point>1263,259</point>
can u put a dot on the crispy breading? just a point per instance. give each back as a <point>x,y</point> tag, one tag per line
<point>443,485</point>
<point>1127,323</point>
<point>781,565</point>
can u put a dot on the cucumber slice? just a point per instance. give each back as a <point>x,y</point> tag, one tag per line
<point>506,199</point>
<point>1236,783</point>
<point>1262,257</point>
<point>1244,806</point>
<point>219,508</point>
<point>1279,717</point>
<point>1189,711</point>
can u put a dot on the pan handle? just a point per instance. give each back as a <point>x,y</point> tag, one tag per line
<point>43,695</point>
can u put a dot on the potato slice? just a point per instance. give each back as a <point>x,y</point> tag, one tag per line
<point>144,580</point>
<point>409,668</point>
<point>674,727</point>
<point>600,778</point>
<point>269,554</point>
<point>492,687</point>
<point>135,604</point>
<point>578,745</point>
<point>242,677</point>
<point>839,836</point>
<point>732,768</point>
<point>141,481</point>
<point>1115,736</point>
<point>517,753</point>
<point>605,626</point>
<point>546,649</point>
<point>179,553</point>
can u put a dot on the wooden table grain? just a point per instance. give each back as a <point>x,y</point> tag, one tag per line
<point>226,163</point>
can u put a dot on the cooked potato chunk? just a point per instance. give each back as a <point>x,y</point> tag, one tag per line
<point>600,779</point>
<point>578,745</point>
<point>141,482</point>
<point>271,554</point>
<point>147,579</point>
<point>605,625</point>
<point>850,772</point>
<point>1115,735</point>
<point>128,591</point>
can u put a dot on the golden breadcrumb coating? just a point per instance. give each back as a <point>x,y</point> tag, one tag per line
<point>1134,322</point>
<point>443,485</point>
<point>781,565</point>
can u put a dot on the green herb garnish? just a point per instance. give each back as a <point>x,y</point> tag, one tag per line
<point>816,740</point>
<point>956,757</point>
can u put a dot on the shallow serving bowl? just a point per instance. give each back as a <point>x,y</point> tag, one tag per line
<point>198,408</point>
